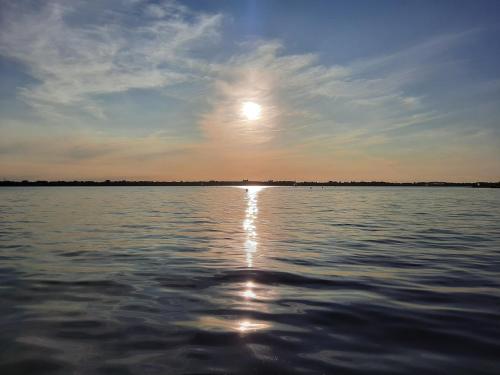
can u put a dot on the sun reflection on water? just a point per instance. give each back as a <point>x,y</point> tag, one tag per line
<point>250,301</point>
<point>251,243</point>
<point>249,223</point>
<point>247,325</point>
<point>249,294</point>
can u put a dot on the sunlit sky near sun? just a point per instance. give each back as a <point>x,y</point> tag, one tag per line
<point>251,110</point>
<point>305,90</point>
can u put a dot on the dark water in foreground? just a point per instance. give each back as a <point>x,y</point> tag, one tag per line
<point>177,280</point>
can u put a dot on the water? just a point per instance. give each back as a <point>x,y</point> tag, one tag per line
<point>178,280</point>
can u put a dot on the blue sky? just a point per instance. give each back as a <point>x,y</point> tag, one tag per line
<point>136,89</point>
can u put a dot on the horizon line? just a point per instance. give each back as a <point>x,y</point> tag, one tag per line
<point>244,182</point>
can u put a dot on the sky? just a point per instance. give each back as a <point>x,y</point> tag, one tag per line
<point>156,90</point>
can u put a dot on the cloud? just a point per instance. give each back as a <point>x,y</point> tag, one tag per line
<point>315,115</point>
<point>79,55</point>
<point>140,45</point>
<point>308,100</point>
<point>337,120</point>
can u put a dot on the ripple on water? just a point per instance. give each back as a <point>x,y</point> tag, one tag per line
<point>278,280</point>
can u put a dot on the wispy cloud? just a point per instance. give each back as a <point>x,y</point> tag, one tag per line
<point>309,100</point>
<point>141,45</point>
<point>314,111</point>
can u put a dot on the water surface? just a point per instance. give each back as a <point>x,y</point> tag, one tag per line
<point>190,280</point>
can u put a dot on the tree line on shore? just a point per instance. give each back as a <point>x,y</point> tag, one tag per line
<point>247,183</point>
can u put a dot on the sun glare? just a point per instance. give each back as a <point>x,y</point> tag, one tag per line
<point>251,111</point>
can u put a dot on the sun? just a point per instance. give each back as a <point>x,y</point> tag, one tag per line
<point>251,110</point>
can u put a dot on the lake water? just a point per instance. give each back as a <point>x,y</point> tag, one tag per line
<point>181,280</point>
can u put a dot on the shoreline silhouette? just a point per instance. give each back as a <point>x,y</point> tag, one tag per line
<point>248,183</point>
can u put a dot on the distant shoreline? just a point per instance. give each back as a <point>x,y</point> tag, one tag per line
<point>41,183</point>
